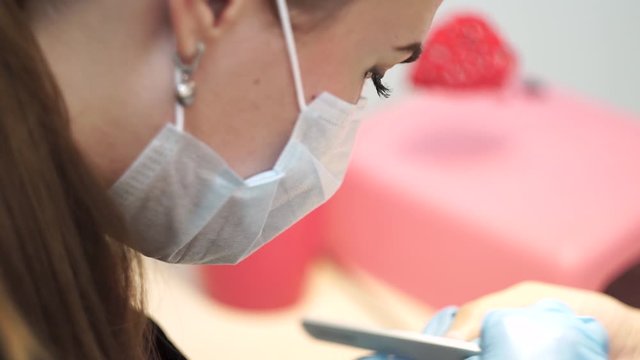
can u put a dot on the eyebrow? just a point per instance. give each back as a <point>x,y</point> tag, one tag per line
<point>415,49</point>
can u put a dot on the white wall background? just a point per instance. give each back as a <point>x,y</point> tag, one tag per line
<point>591,46</point>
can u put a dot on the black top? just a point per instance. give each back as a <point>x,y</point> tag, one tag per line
<point>165,350</point>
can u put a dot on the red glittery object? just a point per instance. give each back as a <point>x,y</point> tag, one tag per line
<point>465,53</point>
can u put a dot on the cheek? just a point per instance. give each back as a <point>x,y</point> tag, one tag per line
<point>331,70</point>
<point>342,84</point>
<point>246,105</point>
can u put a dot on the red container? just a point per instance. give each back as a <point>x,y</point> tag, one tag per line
<point>273,277</point>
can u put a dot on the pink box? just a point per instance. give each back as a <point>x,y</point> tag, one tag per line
<point>454,195</point>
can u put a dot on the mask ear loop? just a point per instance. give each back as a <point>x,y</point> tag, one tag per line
<point>287,29</point>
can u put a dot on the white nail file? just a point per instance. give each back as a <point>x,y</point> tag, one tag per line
<point>409,345</point>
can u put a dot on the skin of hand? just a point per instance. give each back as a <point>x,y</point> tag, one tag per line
<point>621,321</point>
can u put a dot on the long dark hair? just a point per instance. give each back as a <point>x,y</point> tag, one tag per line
<point>68,289</point>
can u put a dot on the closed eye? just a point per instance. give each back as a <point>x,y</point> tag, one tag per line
<point>415,49</point>
<point>376,77</point>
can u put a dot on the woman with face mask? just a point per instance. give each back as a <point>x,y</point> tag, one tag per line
<point>191,131</point>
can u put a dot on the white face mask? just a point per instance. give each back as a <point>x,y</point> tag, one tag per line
<point>186,205</point>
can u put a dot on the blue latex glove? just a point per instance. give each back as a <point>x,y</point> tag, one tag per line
<point>548,330</point>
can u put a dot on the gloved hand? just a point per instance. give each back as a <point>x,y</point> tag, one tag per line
<point>621,321</point>
<point>548,330</point>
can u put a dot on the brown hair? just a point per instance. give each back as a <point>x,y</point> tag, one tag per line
<point>315,5</point>
<point>310,14</point>
<point>67,289</point>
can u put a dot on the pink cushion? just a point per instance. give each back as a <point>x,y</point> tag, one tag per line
<point>454,195</point>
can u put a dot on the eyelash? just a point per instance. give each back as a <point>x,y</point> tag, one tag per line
<point>376,77</point>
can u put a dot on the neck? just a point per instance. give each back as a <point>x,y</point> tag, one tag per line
<point>113,62</point>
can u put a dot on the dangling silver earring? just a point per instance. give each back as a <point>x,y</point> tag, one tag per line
<point>185,85</point>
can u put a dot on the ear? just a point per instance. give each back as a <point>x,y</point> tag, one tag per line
<point>197,21</point>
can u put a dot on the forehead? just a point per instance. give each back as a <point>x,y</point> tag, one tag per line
<point>403,21</point>
<point>368,32</point>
